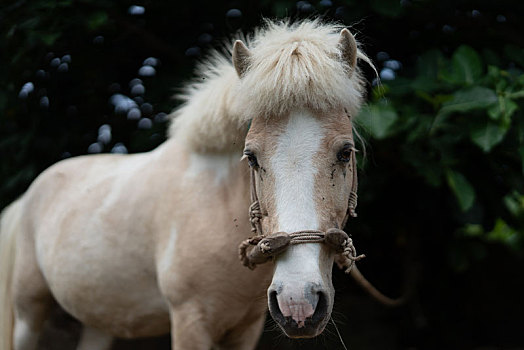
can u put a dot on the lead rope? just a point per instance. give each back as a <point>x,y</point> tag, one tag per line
<point>267,246</point>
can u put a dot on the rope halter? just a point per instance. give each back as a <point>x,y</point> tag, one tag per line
<point>267,246</point>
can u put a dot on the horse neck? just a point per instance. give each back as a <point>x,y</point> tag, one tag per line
<point>219,169</point>
<point>218,190</point>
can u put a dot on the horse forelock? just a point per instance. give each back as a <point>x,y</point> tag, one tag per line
<point>295,66</point>
<point>292,66</point>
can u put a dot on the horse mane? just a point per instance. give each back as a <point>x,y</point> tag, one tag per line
<point>292,66</point>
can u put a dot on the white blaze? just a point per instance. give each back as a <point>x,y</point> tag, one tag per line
<point>295,173</point>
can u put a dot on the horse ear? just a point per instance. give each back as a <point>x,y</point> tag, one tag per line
<point>241,56</point>
<point>348,47</point>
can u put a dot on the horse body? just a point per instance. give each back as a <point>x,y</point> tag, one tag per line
<point>139,245</point>
<point>115,248</point>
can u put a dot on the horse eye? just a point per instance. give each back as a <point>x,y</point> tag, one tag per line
<point>251,158</point>
<point>344,155</point>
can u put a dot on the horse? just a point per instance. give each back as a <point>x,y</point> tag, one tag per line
<point>146,244</point>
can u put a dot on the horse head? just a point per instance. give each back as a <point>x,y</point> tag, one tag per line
<point>300,147</point>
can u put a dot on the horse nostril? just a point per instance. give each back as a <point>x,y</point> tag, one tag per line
<point>274,309</point>
<point>321,309</point>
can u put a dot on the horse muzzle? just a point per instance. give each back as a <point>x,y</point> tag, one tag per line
<point>300,312</point>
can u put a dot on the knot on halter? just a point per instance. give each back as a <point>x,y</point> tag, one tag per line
<point>255,216</point>
<point>267,246</point>
<point>352,204</point>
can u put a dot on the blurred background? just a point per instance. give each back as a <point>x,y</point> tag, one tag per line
<point>441,205</point>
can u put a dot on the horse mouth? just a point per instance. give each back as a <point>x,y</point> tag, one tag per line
<point>312,326</point>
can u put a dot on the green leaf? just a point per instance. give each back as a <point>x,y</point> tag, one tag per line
<point>465,100</point>
<point>469,99</point>
<point>466,67</point>
<point>503,110</point>
<point>487,136</point>
<point>378,119</point>
<point>503,233</point>
<point>462,189</point>
<point>517,94</point>
<point>472,230</point>
<point>515,203</point>
<point>494,73</point>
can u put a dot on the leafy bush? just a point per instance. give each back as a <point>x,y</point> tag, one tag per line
<point>458,125</point>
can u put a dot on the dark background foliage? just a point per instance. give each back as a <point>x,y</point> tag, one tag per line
<point>441,196</point>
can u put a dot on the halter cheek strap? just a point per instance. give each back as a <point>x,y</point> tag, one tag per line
<point>269,245</point>
<point>353,196</point>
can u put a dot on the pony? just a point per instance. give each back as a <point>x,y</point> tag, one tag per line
<point>145,244</point>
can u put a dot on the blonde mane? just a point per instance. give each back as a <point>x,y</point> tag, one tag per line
<point>292,66</point>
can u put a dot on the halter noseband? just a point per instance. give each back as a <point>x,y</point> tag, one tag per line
<point>269,245</point>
